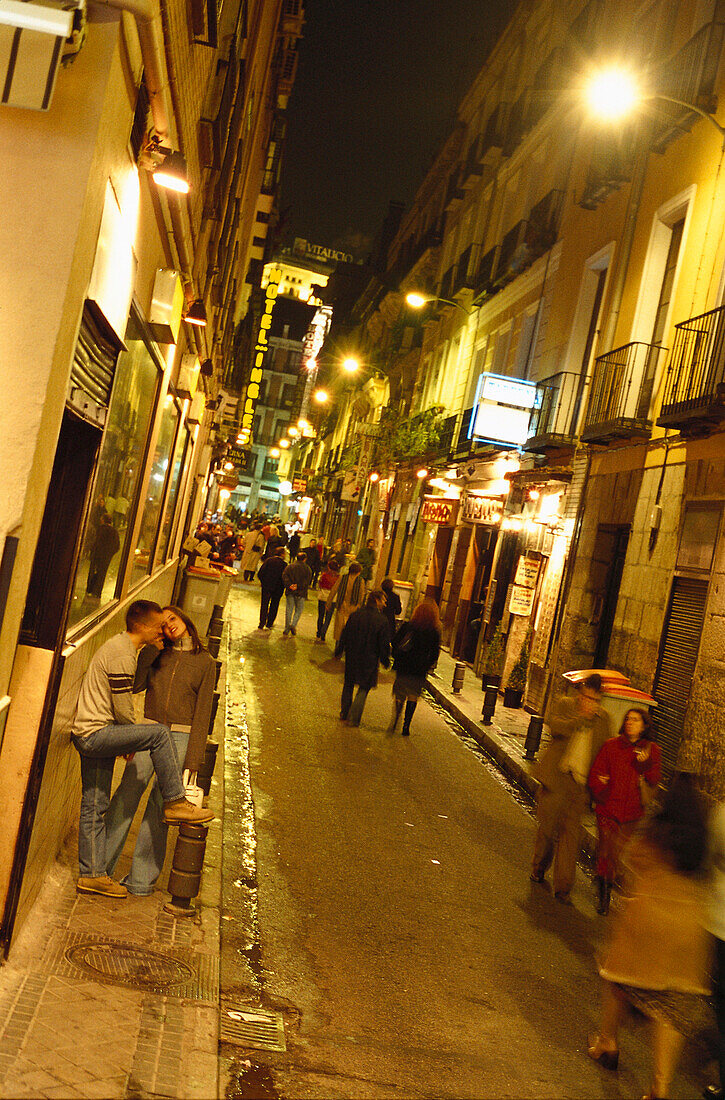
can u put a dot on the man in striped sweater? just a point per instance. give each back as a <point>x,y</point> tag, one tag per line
<point>104,727</point>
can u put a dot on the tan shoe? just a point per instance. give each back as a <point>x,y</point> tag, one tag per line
<point>101,884</point>
<point>184,812</point>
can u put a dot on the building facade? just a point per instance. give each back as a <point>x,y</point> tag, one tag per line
<point>107,432</point>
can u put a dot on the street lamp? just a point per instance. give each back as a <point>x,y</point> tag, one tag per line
<point>417,301</point>
<point>321,397</point>
<point>275,452</point>
<point>614,93</point>
<point>350,365</point>
<point>284,443</point>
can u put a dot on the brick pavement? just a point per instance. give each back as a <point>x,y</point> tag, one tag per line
<point>112,1031</point>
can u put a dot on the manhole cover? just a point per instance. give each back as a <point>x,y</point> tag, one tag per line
<point>130,965</point>
<point>252,1027</point>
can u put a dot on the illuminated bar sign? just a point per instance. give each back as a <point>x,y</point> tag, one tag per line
<point>439,510</point>
<point>482,510</point>
<point>252,393</point>
<point>503,409</point>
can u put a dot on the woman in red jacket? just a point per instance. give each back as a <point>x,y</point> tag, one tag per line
<point>625,771</point>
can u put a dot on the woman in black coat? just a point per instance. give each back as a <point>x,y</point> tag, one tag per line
<point>415,652</point>
<point>393,606</point>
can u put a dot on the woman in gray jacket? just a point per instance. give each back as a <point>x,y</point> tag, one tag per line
<point>179,684</point>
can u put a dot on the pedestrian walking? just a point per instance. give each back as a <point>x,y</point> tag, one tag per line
<point>416,648</point>
<point>393,606</point>
<point>296,579</point>
<point>293,545</point>
<point>105,547</point>
<point>367,558</point>
<point>715,923</point>
<point>325,608</point>
<point>270,578</point>
<point>104,727</point>
<point>622,779</point>
<point>313,560</point>
<point>253,547</point>
<point>579,728</point>
<point>365,644</point>
<point>658,953</point>
<point>347,595</point>
<point>273,541</point>
<point>179,685</point>
<point>338,554</point>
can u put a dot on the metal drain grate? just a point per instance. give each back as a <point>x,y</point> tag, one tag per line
<point>252,1027</point>
<point>178,972</point>
<point>135,966</point>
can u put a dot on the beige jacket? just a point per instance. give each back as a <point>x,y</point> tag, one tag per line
<point>565,719</point>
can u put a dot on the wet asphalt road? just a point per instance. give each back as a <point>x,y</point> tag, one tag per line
<point>397,929</point>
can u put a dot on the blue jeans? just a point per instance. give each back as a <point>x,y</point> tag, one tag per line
<point>98,752</point>
<point>150,850</point>
<point>295,606</point>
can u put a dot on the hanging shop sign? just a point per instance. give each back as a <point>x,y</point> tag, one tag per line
<point>503,409</point>
<point>527,571</point>
<point>522,600</point>
<point>350,486</point>
<point>482,510</point>
<point>251,395</point>
<point>439,510</point>
<point>299,484</point>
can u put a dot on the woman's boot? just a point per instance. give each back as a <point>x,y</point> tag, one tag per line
<point>397,711</point>
<point>409,712</point>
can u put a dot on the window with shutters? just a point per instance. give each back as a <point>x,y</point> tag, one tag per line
<point>683,627</point>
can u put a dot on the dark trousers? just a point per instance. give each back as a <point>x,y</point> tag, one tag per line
<point>321,609</point>
<point>268,607</point>
<point>718,997</point>
<point>349,708</point>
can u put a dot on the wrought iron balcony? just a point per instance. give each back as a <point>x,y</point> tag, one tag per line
<point>446,288</point>
<point>446,436</point>
<point>553,420</point>
<point>463,442</point>
<point>484,274</point>
<point>621,392</point>
<point>690,76</point>
<point>461,279</point>
<point>695,382</point>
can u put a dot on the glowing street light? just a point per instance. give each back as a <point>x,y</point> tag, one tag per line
<point>417,301</point>
<point>228,465</point>
<point>612,93</point>
<point>422,473</point>
<point>321,397</point>
<point>275,452</point>
<point>374,477</point>
<point>350,365</point>
<point>284,443</point>
<point>294,432</point>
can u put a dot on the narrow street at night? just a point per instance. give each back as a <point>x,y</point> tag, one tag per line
<point>400,937</point>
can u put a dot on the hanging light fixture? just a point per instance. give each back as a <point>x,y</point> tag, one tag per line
<point>196,314</point>
<point>172,173</point>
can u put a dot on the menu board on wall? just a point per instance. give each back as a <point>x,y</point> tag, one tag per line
<point>522,600</point>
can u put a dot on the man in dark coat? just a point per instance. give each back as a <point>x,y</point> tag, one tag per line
<point>270,578</point>
<point>365,642</point>
<point>105,547</point>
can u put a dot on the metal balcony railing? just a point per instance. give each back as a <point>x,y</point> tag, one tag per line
<point>461,279</point>
<point>463,442</point>
<point>621,392</point>
<point>447,434</point>
<point>484,274</point>
<point>690,76</point>
<point>446,289</point>
<point>695,380</point>
<point>555,412</point>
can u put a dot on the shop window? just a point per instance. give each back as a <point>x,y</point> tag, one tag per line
<point>171,514</point>
<point>120,466</point>
<point>158,479</point>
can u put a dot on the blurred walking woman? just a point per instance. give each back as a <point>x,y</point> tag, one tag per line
<point>347,595</point>
<point>179,694</point>
<point>623,776</point>
<point>416,647</point>
<point>658,953</point>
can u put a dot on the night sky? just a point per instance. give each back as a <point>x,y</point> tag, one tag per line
<point>376,91</point>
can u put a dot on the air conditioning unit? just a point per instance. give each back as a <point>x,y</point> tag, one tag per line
<point>32,39</point>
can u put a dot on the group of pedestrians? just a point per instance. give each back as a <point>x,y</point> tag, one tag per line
<point>663,934</point>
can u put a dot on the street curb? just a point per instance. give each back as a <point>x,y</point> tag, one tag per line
<point>496,748</point>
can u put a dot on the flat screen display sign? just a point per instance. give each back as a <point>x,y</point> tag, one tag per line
<point>503,409</point>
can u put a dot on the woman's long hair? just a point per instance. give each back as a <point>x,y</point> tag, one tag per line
<point>647,731</point>
<point>679,828</point>
<point>196,644</point>
<point>426,615</point>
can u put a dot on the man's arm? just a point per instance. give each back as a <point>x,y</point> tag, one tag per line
<point>121,681</point>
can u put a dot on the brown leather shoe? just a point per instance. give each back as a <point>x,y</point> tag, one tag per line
<point>184,812</point>
<point>101,884</point>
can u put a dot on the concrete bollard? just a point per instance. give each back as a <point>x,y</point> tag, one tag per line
<point>533,736</point>
<point>185,875</point>
<point>489,705</point>
<point>458,673</point>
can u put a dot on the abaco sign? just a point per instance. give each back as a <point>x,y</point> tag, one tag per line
<point>255,377</point>
<point>439,510</point>
<point>482,510</point>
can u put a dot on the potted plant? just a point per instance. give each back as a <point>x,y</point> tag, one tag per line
<point>516,683</point>
<point>493,656</point>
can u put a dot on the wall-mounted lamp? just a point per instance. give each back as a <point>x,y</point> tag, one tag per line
<point>171,171</point>
<point>196,314</point>
<point>374,477</point>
